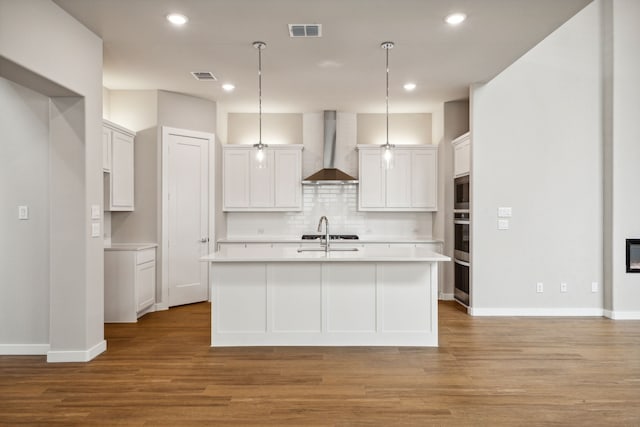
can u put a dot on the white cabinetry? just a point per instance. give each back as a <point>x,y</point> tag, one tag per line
<point>461,155</point>
<point>276,187</point>
<point>410,185</point>
<point>117,161</point>
<point>129,284</point>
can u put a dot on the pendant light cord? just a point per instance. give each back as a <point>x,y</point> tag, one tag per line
<point>387,46</point>
<point>259,45</point>
<point>260,94</point>
<point>387,95</point>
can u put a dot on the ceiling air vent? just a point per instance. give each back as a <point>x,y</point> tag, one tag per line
<point>204,75</point>
<point>305,30</point>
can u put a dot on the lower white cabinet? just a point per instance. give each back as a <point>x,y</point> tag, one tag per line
<point>129,284</point>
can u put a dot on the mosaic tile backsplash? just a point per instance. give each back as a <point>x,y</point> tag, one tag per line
<point>340,204</point>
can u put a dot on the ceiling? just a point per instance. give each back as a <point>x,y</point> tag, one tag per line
<point>342,70</point>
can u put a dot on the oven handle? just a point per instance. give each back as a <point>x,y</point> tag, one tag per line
<point>466,264</point>
<point>461,221</point>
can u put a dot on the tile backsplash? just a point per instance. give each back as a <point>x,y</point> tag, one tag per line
<point>339,203</point>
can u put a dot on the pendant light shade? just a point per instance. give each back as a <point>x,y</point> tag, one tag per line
<point>261,157</point>
<point>387,148</point>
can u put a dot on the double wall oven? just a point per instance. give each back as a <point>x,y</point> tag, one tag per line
<point>461,226</point>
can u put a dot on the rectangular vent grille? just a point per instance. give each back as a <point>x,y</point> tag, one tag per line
<point>203,75</point>
<point>305,30</point>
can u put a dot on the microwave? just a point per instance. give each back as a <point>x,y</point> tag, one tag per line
<point>461,193</point>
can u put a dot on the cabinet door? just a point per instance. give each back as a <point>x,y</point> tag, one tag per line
<point>122,173</point>
<point>399,181</point>
<point>106,149</point>
<point>145,283</point>
<point>287,179</point>
<point>424,179</point>
<point>372,186</point>
<point>462,158</point>
<point>261,181</point>
<point>236,178</point>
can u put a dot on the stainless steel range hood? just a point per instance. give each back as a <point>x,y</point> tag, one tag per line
<point>329,174</point>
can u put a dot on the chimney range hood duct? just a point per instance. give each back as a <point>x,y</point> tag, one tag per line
<point>329,174</point>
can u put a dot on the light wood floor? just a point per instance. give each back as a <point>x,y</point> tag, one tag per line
<point>487,371</point>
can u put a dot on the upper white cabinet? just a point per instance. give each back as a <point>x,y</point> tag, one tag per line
<point>410,185</point>
<point>275,187</point>
<point>106,149</point>
<point>117,160</point>
<point>461,155</point>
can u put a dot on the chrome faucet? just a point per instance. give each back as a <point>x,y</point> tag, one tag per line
<point>326,231</point>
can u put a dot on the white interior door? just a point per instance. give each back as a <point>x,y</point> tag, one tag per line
<point>188,218</point>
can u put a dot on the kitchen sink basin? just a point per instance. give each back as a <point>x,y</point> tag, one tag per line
<point>330,250</point>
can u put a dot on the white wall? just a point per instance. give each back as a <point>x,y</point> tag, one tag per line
<point>133,109</point>
<point>42,38</point>
<point>622,145</point>
<point>403,128</point>
<point>24,246</point>
<point>537,148</point>
<point>243,128</point>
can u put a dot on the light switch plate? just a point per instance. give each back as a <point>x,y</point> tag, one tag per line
<point>95,211</point>
<point>504,212</point>
<point>23,212</point>
<point>503,224</point>
<point>95,229</point>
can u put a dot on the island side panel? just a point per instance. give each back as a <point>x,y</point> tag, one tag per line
<point>238,306</point>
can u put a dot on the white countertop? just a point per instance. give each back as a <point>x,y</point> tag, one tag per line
<point>129,246</point>
<point>362,239</point>
<point>288,254</point>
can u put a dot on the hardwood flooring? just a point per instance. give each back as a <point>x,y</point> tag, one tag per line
<point>487,371</point>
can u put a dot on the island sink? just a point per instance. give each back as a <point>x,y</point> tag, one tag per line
<point>333,249</point>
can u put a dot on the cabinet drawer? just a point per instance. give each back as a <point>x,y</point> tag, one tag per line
<point>145,256</point>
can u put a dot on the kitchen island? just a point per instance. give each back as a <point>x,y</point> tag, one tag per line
<point>282,296</point>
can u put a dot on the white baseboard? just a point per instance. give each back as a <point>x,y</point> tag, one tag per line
<point>161,306</point>
<point>622,315</point>
<point>24,349</point>
<point>537,312</point>
<point>445,297</point>
<point>76,356</point>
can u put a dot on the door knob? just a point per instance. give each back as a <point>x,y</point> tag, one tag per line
<point>204,240</point>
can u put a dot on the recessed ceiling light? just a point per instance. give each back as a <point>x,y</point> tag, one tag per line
<point>409,86</point>
<point>455,18</point>
<point>228,87</point>
<point>177,19</point>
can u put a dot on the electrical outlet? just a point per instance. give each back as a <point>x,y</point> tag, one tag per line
<point>504,212</point>
<point>594,286</point>
<point>539,287</point>
<point>503,224</point>
<point>563,287</point>
<point>95,229</point>
<point>23,212</point>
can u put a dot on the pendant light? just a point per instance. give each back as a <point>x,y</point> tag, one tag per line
<point>387,148</point>
<point>261,158</point>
